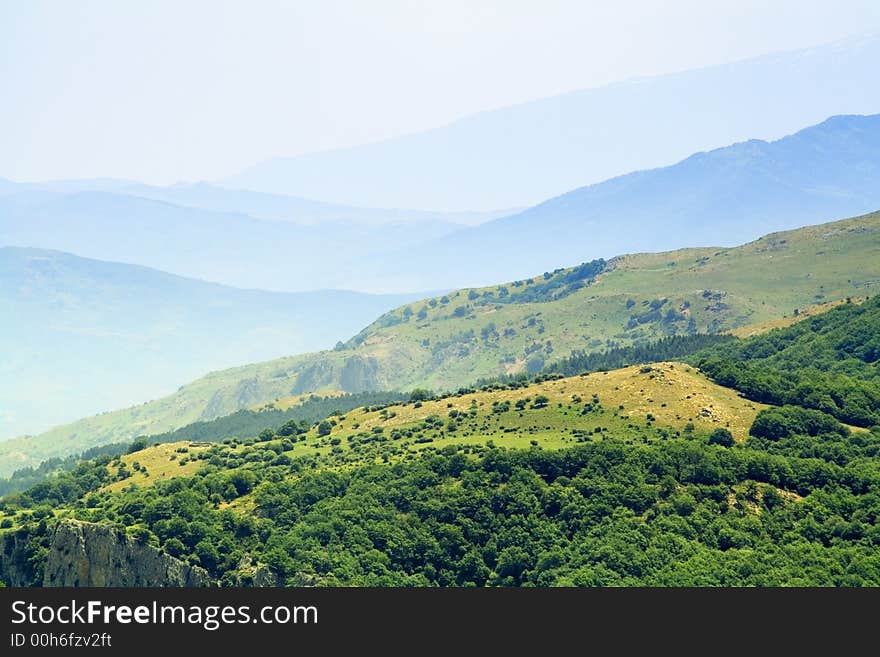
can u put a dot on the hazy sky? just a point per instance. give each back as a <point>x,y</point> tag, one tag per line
<point>184,90</point>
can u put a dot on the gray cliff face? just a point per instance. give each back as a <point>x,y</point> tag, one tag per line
<point>75,553</point>
<point>255,574</point>
<point>87,554</point>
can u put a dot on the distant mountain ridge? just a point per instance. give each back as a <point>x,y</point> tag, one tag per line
<point>523,154</point>
<point>722,197</point>
<point>227,247</point>
<point>259,205</point>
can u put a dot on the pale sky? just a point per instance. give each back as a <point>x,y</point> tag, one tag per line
<point>164,91</point>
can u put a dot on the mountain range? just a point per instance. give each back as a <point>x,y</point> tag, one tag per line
<point>521,155</point>
<point>259,205</point>
<point>721,197</point>
<point>224,247</point>
<point>623,336</point>
<point>170,329</point>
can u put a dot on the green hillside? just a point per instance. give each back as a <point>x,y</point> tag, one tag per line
<point>447,342</point>
<point>245,423</point>
<point>651,474</point>
<point>638,402</point>
<point>828,362</point>
<point>568,487</point>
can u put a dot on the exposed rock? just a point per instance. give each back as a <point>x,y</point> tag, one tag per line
<point>88,554</point>
<point>255,574</point>
<point>247,393</point>
<point>359,374</point>
<point>314,377</point>
<point>75,553</point>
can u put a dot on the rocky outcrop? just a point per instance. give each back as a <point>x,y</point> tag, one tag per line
<point>249,573</point>
<point>88,554</point>
<point>76,553</point>
<point>359,374</point>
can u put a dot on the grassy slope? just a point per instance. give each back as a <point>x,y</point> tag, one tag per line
<point>719,289</point>
<point>285,403</point>
<point>158,462</point>
<point>675,394</point>
<point>760,328</point>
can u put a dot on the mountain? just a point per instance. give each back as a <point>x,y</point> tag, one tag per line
<point>270,207</point>
<point>452,340</point>
<point>521,155</point>
<point>81,336</point>
<point>723,197</point>
<point>226,247</point>
<point>275,207</point>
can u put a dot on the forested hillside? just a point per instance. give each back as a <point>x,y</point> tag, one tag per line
<point>828,362</point>
<point>792,510</point>
<point>246,423</point>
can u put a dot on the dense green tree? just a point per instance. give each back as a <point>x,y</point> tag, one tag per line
<point>827,362</point>
<point>795,509</point>
<point>721,436</point>
<point>420,394</point>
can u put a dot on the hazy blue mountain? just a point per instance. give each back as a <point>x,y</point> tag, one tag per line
<point>226,247</point>
<point>521,155</point>
<point>82,336</point>
<point>271,207</point>
<point>276,207</point>
<point>724,197</point>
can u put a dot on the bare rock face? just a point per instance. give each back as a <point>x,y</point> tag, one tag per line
<point>88,554</point>
<point>255,574</point>
<point>76,553</point>
<point>359,374</point>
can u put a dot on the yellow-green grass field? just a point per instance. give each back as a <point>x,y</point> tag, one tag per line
<point>673,394</point>
<point>157,463</point>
